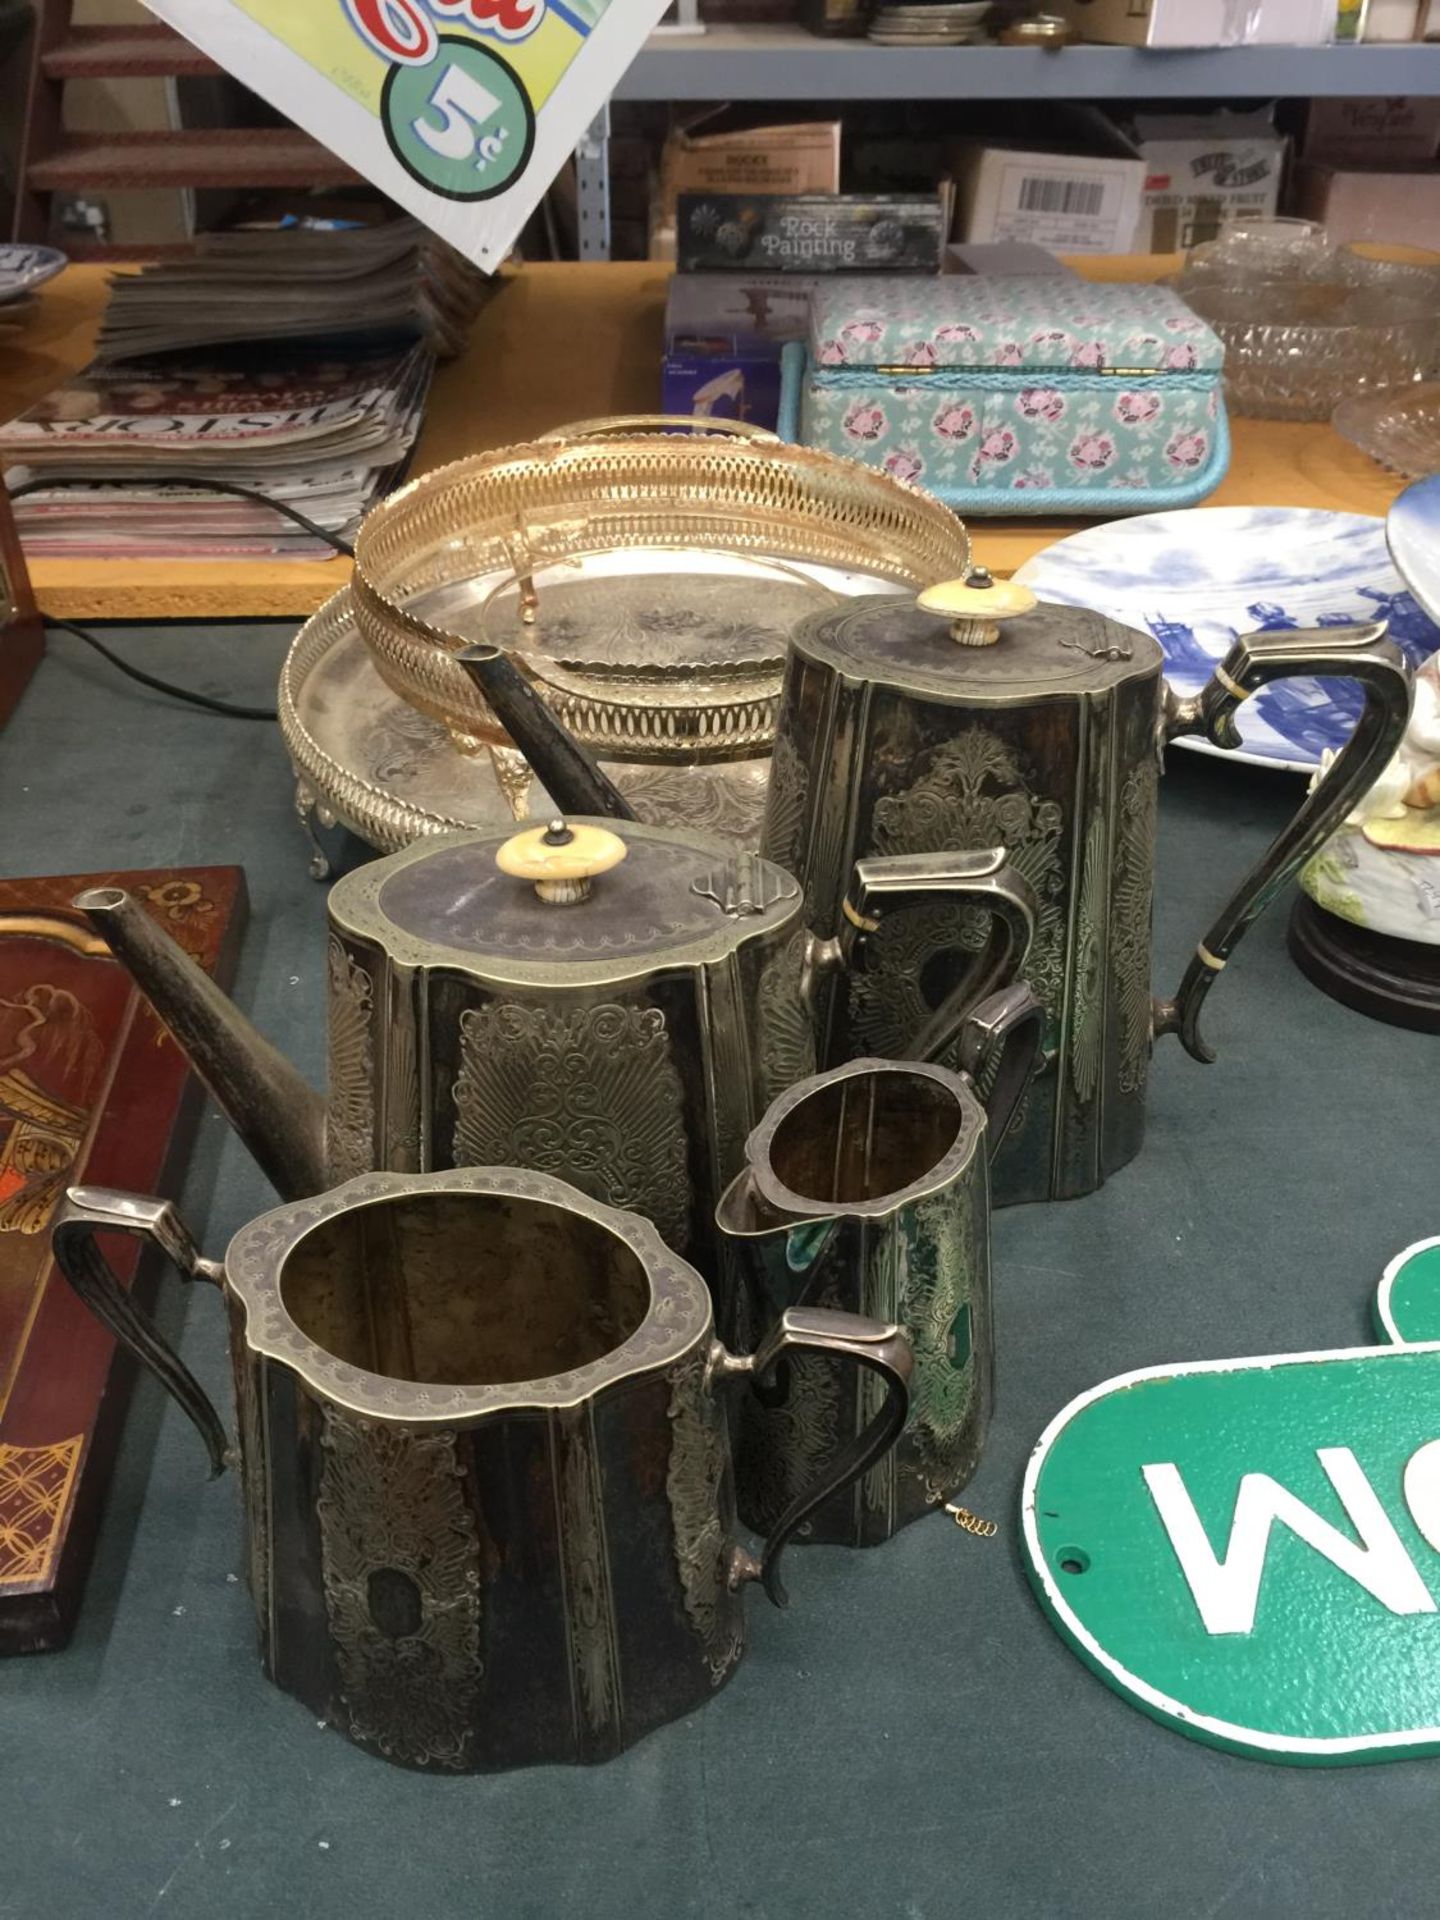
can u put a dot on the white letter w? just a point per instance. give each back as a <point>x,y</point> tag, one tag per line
<point>1226,1591</point>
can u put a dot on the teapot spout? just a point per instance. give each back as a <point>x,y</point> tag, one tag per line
<point>279,1117</point>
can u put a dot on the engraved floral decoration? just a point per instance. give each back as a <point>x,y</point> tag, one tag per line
<point>350,1122</point>
<point>694,1481</point>
<point>591,1094</point>
<point>392,1506</point>
<point>975,791</point>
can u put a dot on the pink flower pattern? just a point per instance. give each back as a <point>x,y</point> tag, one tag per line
<point>1137,409</point>
<point>905,463</point>
<point>865,421</point>
<point>1092,452</point>
<point>1041,403</point>
<point>1187,450</point>
<point>1034,477</point>
<point>998,446</point>
<point>1183,358</point>
<point>954,422</point>
<point>1090,354</point>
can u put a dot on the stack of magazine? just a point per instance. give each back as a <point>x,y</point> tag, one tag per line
<point>327,435</point>
<point>293,364</point>
<point>389,281</point>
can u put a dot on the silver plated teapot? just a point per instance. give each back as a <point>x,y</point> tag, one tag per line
<point>614,1007</point>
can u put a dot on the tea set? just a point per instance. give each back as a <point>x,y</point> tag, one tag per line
<point>650,1192</point>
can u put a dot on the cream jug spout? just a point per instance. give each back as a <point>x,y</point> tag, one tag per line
<point>278,1116</point>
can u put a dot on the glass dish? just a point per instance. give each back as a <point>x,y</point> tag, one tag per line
<point>1406,270</point>
<point>1398,426</point>
<point>1294,350</point>
<point>1254,250</point>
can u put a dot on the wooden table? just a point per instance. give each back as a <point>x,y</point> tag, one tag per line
<point>557,344</point>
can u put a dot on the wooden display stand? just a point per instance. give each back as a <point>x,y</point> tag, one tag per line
<point>1397,981</point>
<point>561,343</point>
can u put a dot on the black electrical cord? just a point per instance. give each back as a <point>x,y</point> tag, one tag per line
<point>204,481</point>
<point>187,694</point>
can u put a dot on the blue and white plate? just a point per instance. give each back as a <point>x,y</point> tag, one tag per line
<point>23,268</point>
<point>1199,579</point>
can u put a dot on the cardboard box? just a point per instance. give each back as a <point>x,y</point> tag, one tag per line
<point>705,157</point>
<point>1372,203</point>
<point>724,334</point>
<point>1203,23</point>
<point>1403,131</point>
<point>1081,195</point>
<point>1204,172</point>
<point>1004,257</point>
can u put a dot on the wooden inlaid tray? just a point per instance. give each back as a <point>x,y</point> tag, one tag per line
<point>91,1090</point>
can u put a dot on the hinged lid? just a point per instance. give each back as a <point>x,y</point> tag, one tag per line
<point>944,644</point>
<point>1008,323</point>
<point>673,898</point>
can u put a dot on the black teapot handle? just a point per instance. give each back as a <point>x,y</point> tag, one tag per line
<point>1360,653</point>
<point>984,878</point>
<point>882,1349</point>
<point>86,1211</point>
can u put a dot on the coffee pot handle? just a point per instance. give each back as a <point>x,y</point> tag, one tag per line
<point>1360,653</point>
<point>883,1350</point>
<point>891,884</point>
<point>87,1211</point>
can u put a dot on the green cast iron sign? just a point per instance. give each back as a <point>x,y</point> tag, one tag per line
<point>1249,1550</point>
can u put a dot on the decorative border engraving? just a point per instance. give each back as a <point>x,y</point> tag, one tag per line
<point>394,1502</point>
<point>1131,906</point>
<point>784,1030</point>
<point>589,1604</point>
<point>1088,1005</point>
<point>785,804</point>
<point>699,1454</point>
<point>350,1123</point>
<point>254,1470</point>
<point>589,1094</point>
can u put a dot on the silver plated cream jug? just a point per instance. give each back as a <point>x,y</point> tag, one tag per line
<point>978,716</point>
<point>488,1493</point>
<point>867,1189</point>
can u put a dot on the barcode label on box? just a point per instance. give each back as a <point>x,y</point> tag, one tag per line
<point>1082,209</point>
<point>1085,197</point>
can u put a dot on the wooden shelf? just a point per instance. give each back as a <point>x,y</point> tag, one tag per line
<point>105,53</point>
<point>203,157</point>
<point>558,344</point>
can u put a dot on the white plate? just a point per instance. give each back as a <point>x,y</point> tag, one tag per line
<point>24,267</point>
<point>1198,579</point>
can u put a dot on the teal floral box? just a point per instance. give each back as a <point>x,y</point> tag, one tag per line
<point>1031,394</point>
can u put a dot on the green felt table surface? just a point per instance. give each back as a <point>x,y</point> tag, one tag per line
<point>911,1738</point>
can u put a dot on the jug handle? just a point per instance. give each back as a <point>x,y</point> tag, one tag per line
<point>87,1211</point>
<point>884,1350</point>
<point>1000,1046</point>
<point>1359,653</point>
<point>892,883</point>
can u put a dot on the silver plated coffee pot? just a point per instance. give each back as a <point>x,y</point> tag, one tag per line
<point>978,716</point>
